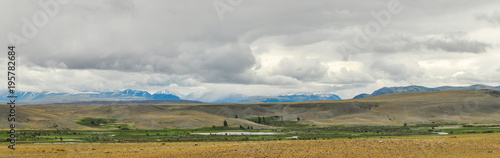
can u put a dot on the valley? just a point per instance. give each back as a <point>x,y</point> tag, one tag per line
<point>418,120</point>
<point>460,106</point>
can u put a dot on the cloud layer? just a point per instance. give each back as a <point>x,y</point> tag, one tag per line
<point>259,48</point>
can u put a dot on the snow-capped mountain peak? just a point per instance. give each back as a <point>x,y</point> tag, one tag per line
<point>165,91</point>
<point>50,97</point>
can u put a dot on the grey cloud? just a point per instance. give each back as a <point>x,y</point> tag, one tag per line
<point>395,69</point>
<point>121,6</point>
<point>219,64</point>
<point>492,18</point>
<point>187,39</point>
<point>300,21</point>
<point>304,38</point>
<point>350,77</point>
<point>210,63</point>
<point>301,68</point>
<point>456,43</point>
<point>476,77</point>
<point>395,44</point>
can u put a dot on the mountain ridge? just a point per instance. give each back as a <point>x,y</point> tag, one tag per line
<point>299,97</point>
<point>47,97</point>
<point>125,95</point>
<point>415,88</point>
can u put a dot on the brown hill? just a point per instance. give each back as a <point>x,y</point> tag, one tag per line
<point>464,106</point>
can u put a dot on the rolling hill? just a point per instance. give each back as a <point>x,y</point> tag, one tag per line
<point>464,106</point>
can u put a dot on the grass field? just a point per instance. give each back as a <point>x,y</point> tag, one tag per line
<point>209,134</point>
<point>472,145</point>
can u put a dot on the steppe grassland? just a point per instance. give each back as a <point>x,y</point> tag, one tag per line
<point>476,145</point>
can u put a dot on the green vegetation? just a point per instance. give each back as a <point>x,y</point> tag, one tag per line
<point>218,128</point>
<point>218,133</point>
<point>101,123</point>
<point>113,132</point>
<point>436,124</point>
<point>276,121</point>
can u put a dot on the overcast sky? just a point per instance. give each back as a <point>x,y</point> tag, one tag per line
<point>253,47</point>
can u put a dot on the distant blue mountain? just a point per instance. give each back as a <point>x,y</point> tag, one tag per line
<point>232,98</point>
<point>165,94</point>
<point>390,90</point>
<point>49,97</point>
<point>136,93</point>
<point>302,97</point>
<point>277,99</point>
<point>363,95</point>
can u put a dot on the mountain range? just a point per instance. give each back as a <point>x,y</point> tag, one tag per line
<point>126,95</point>
<point>235,98</point>
<point>139,96</point>
<point>413,88</point>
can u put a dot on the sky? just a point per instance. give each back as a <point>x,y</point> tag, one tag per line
<point>213,48</point>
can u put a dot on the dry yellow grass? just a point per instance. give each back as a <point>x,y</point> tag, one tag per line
<point>479,145</point>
